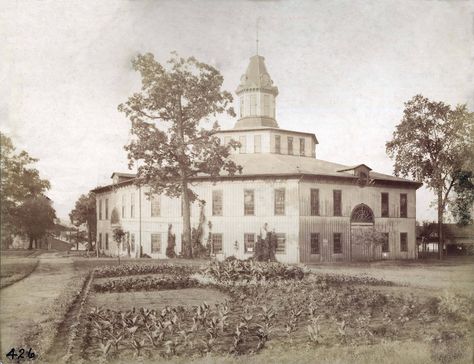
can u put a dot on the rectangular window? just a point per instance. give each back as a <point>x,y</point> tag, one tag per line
<point>277,144</point>
<point>100,209</point>
<point>403,242</point>
<point>279,201</point>
<point>227,140</point>
<point>217,203</point>
<point>155,206</point>
<point>253,105</point>
<point>241,106</point>
<point>100,240</point>
<point>290,145</point>
<point>216,243</point>
<point>337,244</point>
<point>385,244</point>
<point>243,144</point>
<point>249,202</point>
<point>337,202</point>
<point>155,243</point>
<point>106,208</point>
<point>403,205</point>
<point>257,144</point>
<point>266,105</point>
<point>132,205</point>
<point>314,243</point>
<point>123,206</point>
<point>384,205</point>
<point>302,146</point>
<point>106,241</point>
<point>314,202</point>
<point>249,243</point>
<point>281,243</point>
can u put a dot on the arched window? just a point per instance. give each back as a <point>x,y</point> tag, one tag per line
<point>362,213</point>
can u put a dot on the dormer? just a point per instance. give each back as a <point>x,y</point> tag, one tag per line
<point>118,177</point>
<point>361,171</point>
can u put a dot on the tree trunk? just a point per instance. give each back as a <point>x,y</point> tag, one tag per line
<point>186,243</point>
<point>440,224</point>
<point>31,244</point>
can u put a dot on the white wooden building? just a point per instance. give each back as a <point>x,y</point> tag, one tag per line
<point>316,207</point>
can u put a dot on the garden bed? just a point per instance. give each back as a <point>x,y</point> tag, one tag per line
<point>251,307</point>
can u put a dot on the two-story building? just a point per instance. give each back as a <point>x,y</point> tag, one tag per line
<point>315,207</point>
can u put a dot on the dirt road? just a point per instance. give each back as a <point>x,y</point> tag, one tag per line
<point>23,303</point>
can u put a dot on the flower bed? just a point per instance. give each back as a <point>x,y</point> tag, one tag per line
<point>146,283</point>
<point>139,269</point>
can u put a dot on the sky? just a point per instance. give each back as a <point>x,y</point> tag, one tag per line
<point>344,70</point>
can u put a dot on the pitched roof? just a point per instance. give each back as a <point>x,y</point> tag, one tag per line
<point>262,165</point>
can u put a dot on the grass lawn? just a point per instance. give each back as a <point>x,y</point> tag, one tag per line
<point>14,269</point>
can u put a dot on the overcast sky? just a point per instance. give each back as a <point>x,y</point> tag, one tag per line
<point>343,68</point>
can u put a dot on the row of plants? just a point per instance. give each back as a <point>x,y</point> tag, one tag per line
<point>238,270</point>
<point>343,279</point>
<point>139,269</point>
<point>146,283</point>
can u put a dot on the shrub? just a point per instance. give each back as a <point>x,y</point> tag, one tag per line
<point>170,253</point>
<point>265,248</point>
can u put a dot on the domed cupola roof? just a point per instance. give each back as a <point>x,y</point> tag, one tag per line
<point>257,77</point>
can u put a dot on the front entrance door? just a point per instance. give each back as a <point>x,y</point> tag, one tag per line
<point>362,222</point>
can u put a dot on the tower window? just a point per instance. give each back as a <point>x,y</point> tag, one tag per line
<point>242,106</point>
<point>253,104</point>
<point>290,145</point>
<point>257,143</point>
<point>243,146</point>
<point>302,146</point>
<point>277,144</point>
<point>266,105</point>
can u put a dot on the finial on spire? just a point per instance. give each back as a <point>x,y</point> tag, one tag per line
<point>257,35</point>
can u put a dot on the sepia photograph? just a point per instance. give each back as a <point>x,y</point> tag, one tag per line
<point>248,181</point>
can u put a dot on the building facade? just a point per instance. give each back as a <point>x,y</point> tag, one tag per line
<point>315,207</point>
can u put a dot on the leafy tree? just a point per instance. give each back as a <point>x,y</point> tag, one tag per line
<point>169,144</point>
<point>370,239</point>
<point>19,181</point>
<point>119,237</point>
<point>84,212</point>
<point>432,143</point>
<point>36,216</point>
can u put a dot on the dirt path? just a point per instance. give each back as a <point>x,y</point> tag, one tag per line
<point>22,304</point>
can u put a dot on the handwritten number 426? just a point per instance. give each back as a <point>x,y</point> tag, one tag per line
<point>22,354</point>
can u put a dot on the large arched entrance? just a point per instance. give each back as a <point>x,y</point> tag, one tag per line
<point>362,221</point>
